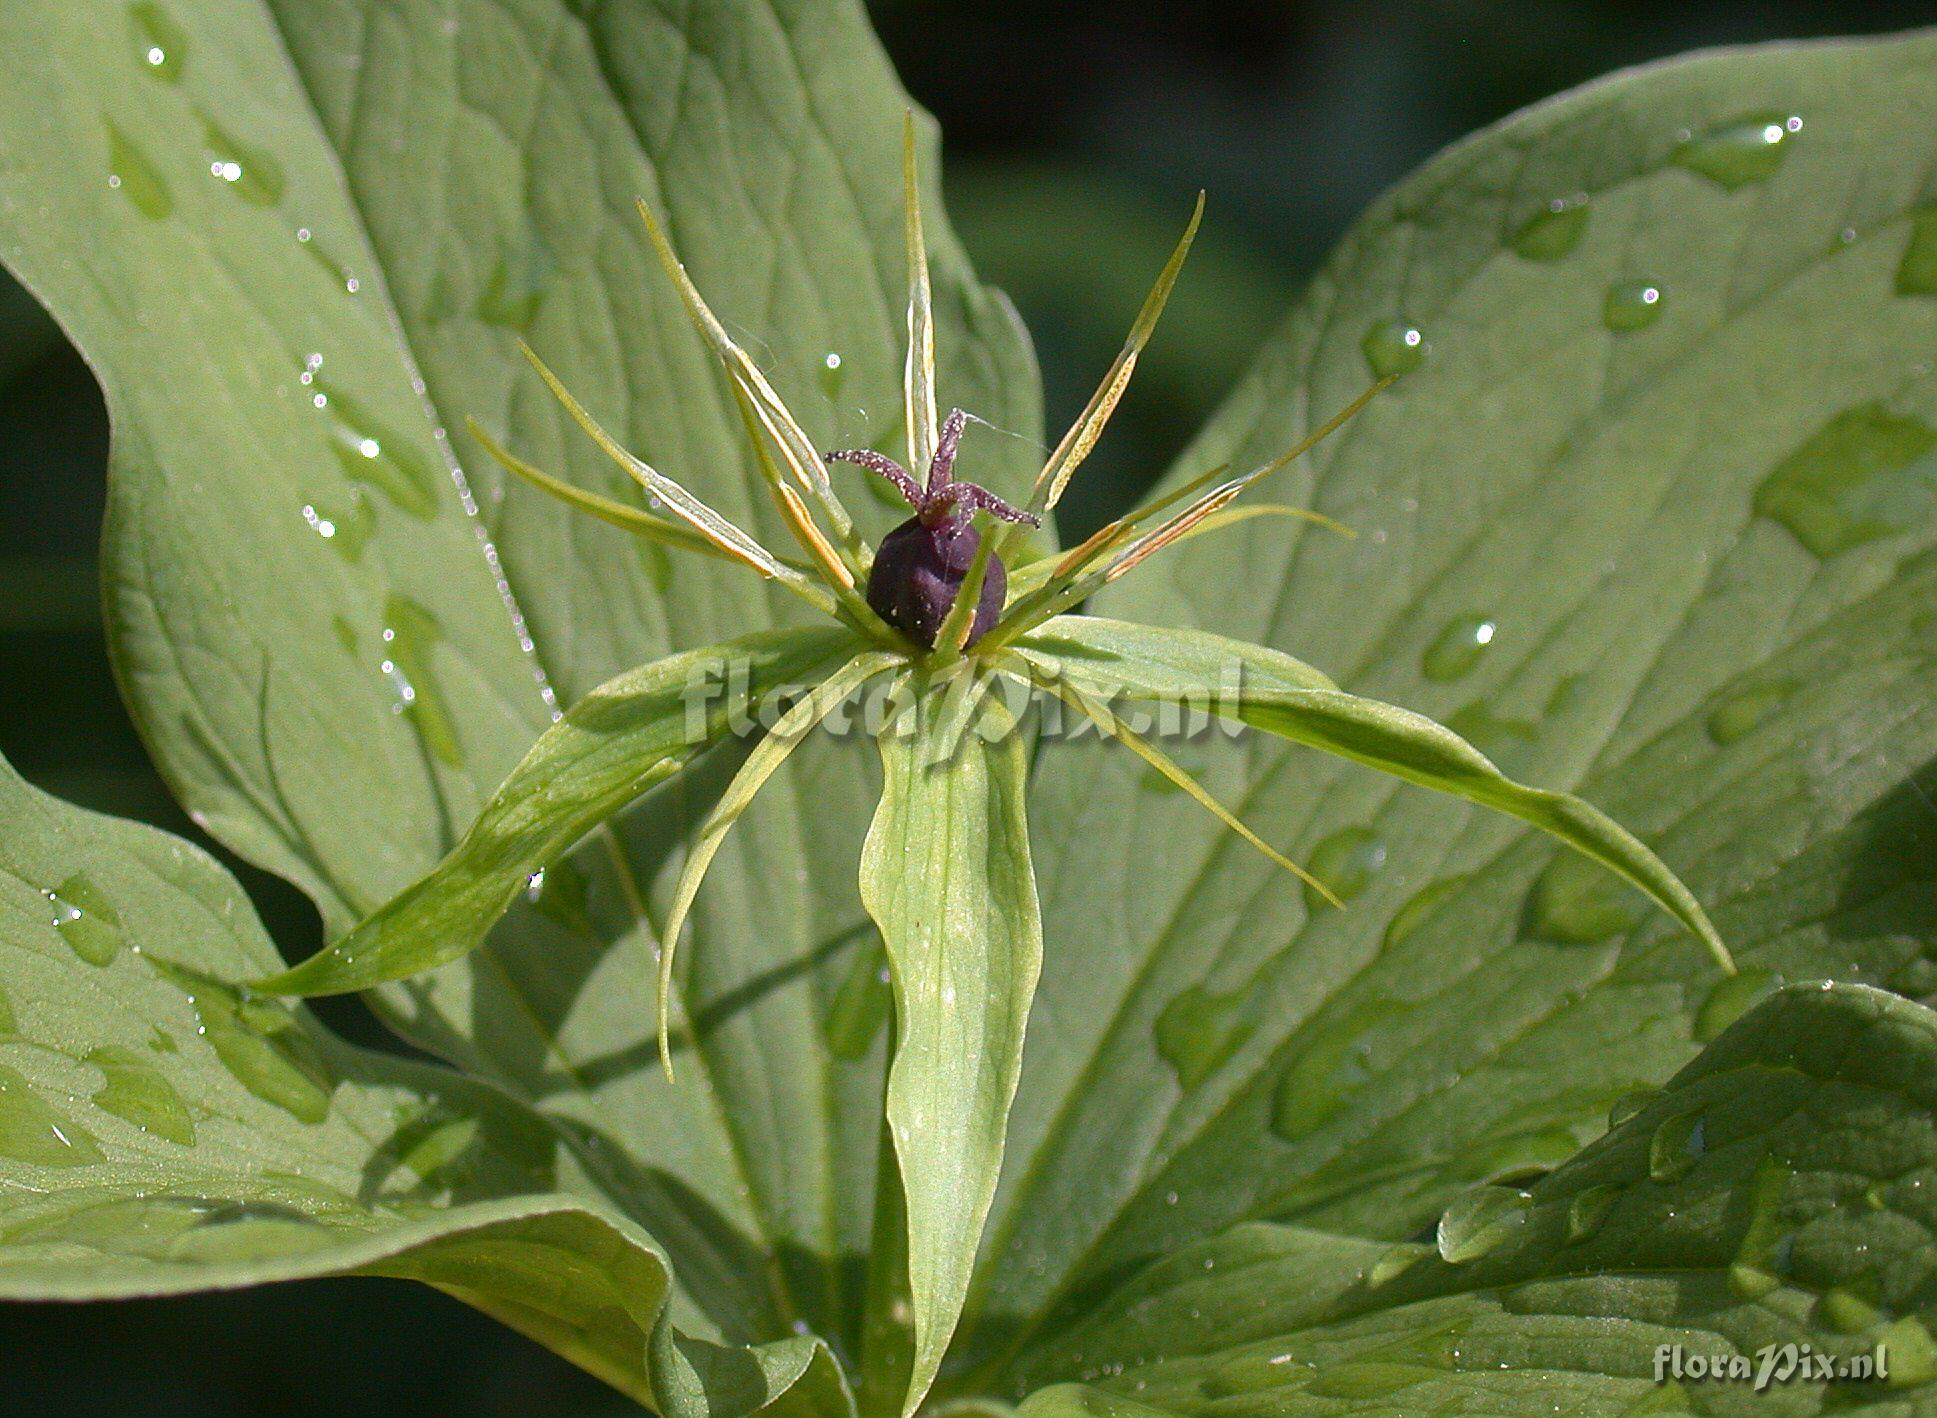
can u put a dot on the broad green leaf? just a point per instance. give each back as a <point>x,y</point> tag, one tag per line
<point>164,1129</point>
<point>1775,1195</point>
<point>339,707</point>
<point>946,875</point>
<point>610,748</point>
<point>1564,555</point>
<point>1397,741</point>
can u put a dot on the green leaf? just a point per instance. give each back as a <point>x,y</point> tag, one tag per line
<point>1167,666</point>
<point>610,748</point>
<point>1773,1196</point>
<point>946,875</point>
<point>473,168</point>
<point>165,1129</point>
<point>1560,557</point>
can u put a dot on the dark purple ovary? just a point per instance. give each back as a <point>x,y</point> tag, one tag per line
<point>919,570</point>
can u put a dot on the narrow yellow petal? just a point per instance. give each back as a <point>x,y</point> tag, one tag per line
<point>710,524</point>
<point>797,447</point>
<point>918,382</point>
<point>1081,438</point>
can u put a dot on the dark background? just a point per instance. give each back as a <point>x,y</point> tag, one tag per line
<point>1076,134</point>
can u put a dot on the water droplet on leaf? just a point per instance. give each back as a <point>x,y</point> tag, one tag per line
<point>1480,1221</point>
<point>248,171</point>
<point>161,48</point>
<point>260,1042</point>
<point>1458,648</point>
<point>135,1091</point>
<point>1576,901</point>
<point>1346,861</point>
<point>1393,347</point>
<point>86,920</point>
<point>1414,914</point>
<point>1631,305</point>
<point>34,1133</point>
<point>1554,231</point>
<point>1676,1145</point>
<point>409,633</point>
<point>1744,150</point>
<point>1733,997</point>
<point>134,177</point>
<point>1589,1210</point>
<point>1865,474</point>
<point>1917,272</point>
<point>1742,712</point>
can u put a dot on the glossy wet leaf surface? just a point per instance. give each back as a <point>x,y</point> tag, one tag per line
<point>1671,554</point>
<point>315,640</point>
<point>163,1128</point>
<point>1798,1215</point>
<point>1208,1049</point>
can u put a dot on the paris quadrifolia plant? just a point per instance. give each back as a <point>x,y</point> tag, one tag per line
<point>951,605</point>
<point>1366,1068</point>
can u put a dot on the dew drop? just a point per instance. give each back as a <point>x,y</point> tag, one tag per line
<point>1395,1263</point>
<point>1554,231</point>
<point>515,289</point>
<point>1256,1373</point>
<point>1579,902</point>
<point>861,1005</point>
<point>1521,1157</point>
<point>1458,648</point>
<point>1480,1221</point>
<point>248,171</point>
<point>1917,272</point>
<point>259,1042</point>
<point>135,1091</point>
<point>372,455</point>
<point>1631,305</point>
<point>34,1133</point>
<point>1393,347</point>
<point>1346,861</point>
<point>1495,735</point>
<point>1198,1032</point>
<point>1865,474</point>
<point>1676,1145</point>
<point>1741,151</point>
<point>1320,1083</point>
<point>1733,997</point>
<point>562,894</point>
<point>832,374</point>
<point>347,528</point>
<point>161,48</point>
<point>86,920</point>
<point>1415,913</point>
<point>1744,711</point>
<point>1629,1105</point>
<point>134,177</point>
<point>1589,1209</point>
<point>409,634</point>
